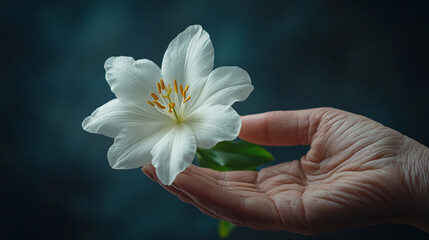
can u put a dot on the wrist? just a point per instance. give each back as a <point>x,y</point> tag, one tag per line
<point>414,166</point>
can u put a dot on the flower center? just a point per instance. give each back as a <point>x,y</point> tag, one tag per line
<point>163,99</point>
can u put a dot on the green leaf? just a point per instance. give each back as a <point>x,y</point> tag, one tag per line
<point>238,155</point>
<point>204,160</point>
<point>225,228</point>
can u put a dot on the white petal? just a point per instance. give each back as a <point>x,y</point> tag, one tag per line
<point>112,117</point>
<point>132,81</point>
<point>189,57</point>
<point>225,85</point>
<point>214,123</point>
<point>174,153</point>
<point>131,148</point>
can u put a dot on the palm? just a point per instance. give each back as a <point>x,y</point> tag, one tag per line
<point>345,179</point>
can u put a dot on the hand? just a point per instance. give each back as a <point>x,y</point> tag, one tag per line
<point>357,172</point>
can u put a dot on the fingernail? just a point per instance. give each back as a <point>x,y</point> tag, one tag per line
<point>148,173</point>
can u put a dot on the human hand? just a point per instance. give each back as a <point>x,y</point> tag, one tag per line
<point>357,172</point>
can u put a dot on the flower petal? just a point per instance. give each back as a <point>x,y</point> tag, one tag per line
<point>132,81</point>
<point>214,123</point>
<point>174,153</point>
<point>225,85</point>
<point>189,56</point>
<point>131,148</point>
<point>112,117</point>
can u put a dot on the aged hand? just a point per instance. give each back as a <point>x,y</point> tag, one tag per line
<point>357,172</point>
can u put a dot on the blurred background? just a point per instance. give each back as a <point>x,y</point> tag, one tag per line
<point>367,57</point>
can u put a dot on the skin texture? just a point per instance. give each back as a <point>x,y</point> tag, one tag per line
<point>357,172</point>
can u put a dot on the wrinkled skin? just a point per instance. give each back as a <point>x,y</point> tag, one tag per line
<point>357,172</point>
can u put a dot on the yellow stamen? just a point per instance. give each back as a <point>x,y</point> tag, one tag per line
<point>168,90</point>
<point>154,96</point>
<point>159,87</point>
<point>175,86</point>
<point>171,106</point>
<point>162,84</point>
<point>181,90</point>
<point>187,99</point>
<point>159,105</point>
<point>184,91</point>
<point>164,96</point>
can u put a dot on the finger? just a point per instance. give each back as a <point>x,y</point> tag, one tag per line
<point>217,177</point>
<point>243,183</point>
<point>285,128</point>
<point>238,200</point>
<point>186,199</point>
<point>149,170</point>
<point>206,193</point>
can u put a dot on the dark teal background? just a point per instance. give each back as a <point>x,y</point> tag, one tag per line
<point>364,57</point>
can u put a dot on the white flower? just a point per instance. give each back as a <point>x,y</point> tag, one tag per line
<point>161,116</point>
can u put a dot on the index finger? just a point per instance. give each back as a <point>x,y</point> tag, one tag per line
<point>282,128</point>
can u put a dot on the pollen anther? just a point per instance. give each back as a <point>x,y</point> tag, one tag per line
<point>154,96</point>
<point>187,99</point>
<point>175,86</point>
<point>151,103</point>
<point>158,85</point>
<point>184,91</point>
<point>162,84</point>
<point>181,90</point>
<point>159,105</point>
